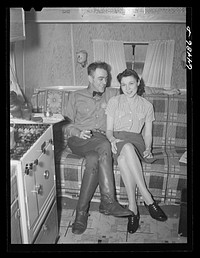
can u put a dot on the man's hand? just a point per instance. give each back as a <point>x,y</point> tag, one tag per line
<point>85,134</point>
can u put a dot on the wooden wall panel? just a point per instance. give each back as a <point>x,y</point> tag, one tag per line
<point>84,33</point>
<point>19,63</point>
<point>48,56</point>
<point>50,49</point>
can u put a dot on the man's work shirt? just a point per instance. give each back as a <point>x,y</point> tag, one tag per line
<point>131,116</point>
<point>86,111</point>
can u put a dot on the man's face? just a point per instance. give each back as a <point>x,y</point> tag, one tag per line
<point>98,79</point>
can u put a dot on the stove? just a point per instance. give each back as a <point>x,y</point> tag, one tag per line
<point>33,160</point>
<point>25,136</point>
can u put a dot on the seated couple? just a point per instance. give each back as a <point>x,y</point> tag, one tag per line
<point>106,123</point>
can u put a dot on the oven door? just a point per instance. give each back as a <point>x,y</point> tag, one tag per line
<point>35,162</point>
<point>44,177</point>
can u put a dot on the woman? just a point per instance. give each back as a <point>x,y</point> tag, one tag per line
<point>127,115</point>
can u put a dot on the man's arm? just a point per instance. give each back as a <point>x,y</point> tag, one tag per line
<point>70,112</point>
<point>155,90</point>
<point>70,129</point>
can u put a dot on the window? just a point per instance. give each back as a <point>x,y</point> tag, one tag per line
<point>135,54</point>
<point>17,25</point>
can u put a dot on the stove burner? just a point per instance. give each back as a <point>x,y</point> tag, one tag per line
<point>25,136</point>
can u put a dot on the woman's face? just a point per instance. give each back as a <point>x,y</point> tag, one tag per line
<point>129,86</point>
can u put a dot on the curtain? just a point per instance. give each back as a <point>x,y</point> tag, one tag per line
<point>111,52</point>
<point>14,86</point>
<point>158,64</point>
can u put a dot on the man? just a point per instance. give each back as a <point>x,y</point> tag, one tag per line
<point>86,110</point>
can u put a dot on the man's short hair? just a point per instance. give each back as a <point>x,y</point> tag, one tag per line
<point>102,65</point>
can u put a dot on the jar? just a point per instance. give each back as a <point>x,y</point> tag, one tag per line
<point>26,112</point>
<point>15,107</point>
<point>48,113</point>
<point>12,138</point>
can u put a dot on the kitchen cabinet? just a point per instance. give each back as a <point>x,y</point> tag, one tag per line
<point>17,24</point>
<point>49,228</point>
<point>16,237</point>
<point>33,160</point>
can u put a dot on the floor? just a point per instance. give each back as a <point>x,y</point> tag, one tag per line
<point>108,229</point>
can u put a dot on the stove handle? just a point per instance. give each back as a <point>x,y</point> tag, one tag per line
<point>46,174</point>
<point>28,167</point>
<point>36,162</point>
<point>43,147</point>
<point>38,189</point>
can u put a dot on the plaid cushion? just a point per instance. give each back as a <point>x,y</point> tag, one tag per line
<point>159,133</point>
<point>69,169</point>
<point>176,134</point>
<point>169,127</point>
<point>177,177</point>
<point>160,104</point>
<point>164,178</point>
<point>177,109</point>
<point>176,167</point>
<point>160,165</point>
<point>53,100</point>
<point>177,127</point>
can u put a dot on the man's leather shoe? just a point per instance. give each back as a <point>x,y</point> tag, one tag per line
<point>109,206</point>
<point>156,212</point>
<point>133,223</point>
<point>80,223</point>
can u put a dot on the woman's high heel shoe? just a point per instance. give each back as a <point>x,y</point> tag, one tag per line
<point>156,212</point>
<point>133,223</point>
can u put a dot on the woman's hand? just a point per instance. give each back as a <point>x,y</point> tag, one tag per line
<point>148,154</point>
<point>114,142</point>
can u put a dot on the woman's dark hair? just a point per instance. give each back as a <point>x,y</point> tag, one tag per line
<point>130,72</point>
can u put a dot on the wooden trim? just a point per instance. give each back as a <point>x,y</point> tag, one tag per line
<point>64,88</point>
<point>72,48</point>
<point>108,14</point>
<point>136,43</point>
